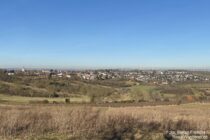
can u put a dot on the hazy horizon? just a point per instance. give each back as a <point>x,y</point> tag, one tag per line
<point>105,68</point>
<point>63,34</point>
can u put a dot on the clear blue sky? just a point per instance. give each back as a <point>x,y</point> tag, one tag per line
<point>105,33</point>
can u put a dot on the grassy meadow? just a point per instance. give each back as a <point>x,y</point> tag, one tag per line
<point>30,100</point>
<point>70,109</point>
<point>100,123</point>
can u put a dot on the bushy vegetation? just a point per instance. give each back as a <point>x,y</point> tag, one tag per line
<point>53,112</point>
<point>144,123</point>
<point>102,90</point>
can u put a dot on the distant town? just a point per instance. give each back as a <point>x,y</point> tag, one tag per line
<point>162,77</point>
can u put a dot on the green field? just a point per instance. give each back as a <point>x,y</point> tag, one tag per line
<point>26,100</point>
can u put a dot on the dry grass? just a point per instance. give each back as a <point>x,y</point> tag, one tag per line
<point>28,121</point>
